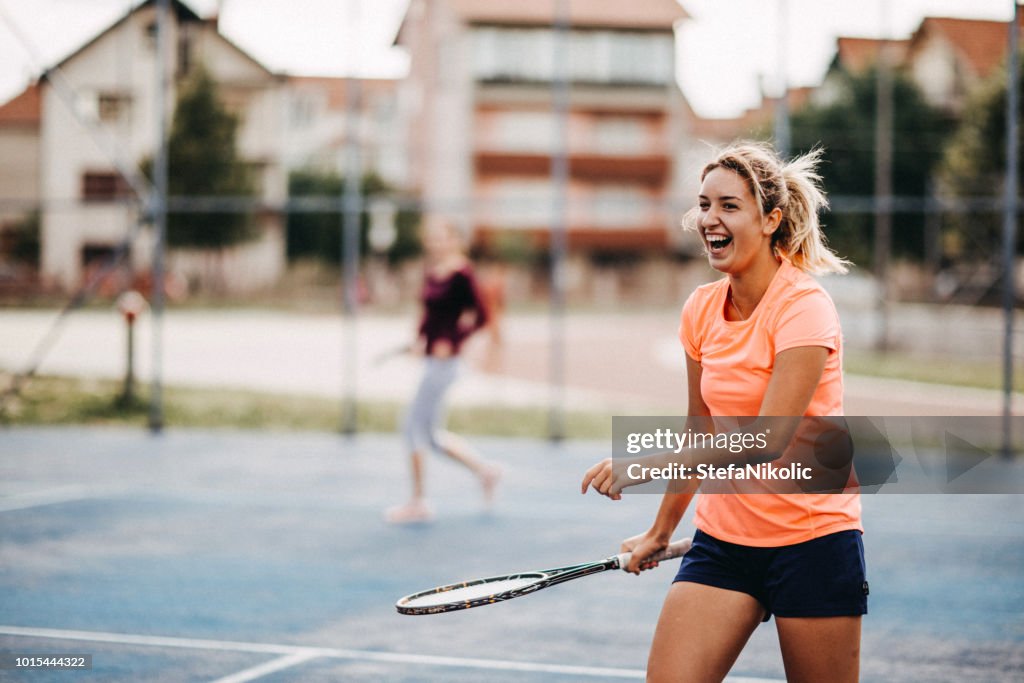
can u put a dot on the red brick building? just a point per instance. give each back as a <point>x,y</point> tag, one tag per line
<point>482,128</point>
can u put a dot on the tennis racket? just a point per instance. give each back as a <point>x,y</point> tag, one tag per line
<point>385,356</point>
<point>479,592</point>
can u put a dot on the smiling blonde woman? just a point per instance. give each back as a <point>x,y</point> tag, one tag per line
<point>764,340</point>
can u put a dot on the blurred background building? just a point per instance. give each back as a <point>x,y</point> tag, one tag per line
<point>484,128</point>
<point>20,183</point>
<point>56,169</point>
<point>498,99</point>
<point>85,200</point>
<point>317,126</point>
<point>946,58</point>
<point>470,131</point>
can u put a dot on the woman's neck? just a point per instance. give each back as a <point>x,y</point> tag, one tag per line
<point>448,263</point>
<point>747,289</point>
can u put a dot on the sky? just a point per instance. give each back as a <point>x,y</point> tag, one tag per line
<point>727,53</point>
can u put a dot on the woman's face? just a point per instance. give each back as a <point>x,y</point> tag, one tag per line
<point>731,226</point>
<point>440,240</point>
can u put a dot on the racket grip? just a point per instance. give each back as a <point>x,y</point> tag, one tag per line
<point>675,549</point>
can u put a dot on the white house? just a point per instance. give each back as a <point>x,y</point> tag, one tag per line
<point>19,162</point>
<point>61,155</point>
<point>87,205</point>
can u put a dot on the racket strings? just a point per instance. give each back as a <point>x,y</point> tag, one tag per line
<point>495,589</point>
<point>471,592</point>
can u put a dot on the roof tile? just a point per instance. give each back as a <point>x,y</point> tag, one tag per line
<point>24,109</point>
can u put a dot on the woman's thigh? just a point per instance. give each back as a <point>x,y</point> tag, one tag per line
<point>820,648</point>
<point>426,410</point>
<point>700,633</point>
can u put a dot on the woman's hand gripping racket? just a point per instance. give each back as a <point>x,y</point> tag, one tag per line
<point>494,589</point>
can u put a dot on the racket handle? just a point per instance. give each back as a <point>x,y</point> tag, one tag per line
<point>675,549</point>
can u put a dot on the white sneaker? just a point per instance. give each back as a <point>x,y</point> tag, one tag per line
<point>413,512</point>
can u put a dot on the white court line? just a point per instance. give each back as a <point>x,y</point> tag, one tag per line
<point>336,653</point>
<point>273,666</point>
<point>62,494</point>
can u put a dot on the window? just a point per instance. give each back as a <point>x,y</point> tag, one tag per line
<point>588,56</point>
<point>98,186</point>
<point>112,106</point>
<point>526,131</point>
<point>619,206</point>
<point>620,135</point>
<point>640,58</point>
<point>513,54</point>
<point>486,58</point>
<point>523,204</point>
<point>302,110</point>
<point>595,56</point>
<point>384,111</point>
<point>97,255</point>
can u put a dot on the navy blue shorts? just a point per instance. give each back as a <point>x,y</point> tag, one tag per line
<point>823,577</point>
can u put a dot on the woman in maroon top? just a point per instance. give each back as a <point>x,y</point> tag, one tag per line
<point>452,311</point>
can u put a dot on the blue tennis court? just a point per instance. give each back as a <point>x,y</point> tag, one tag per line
<point>238,556</point>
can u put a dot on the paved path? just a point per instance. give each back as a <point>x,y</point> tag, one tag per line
<point>622,363</point>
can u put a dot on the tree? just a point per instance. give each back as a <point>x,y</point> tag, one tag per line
<point>846,131</point>
<point>203,161</point>
<point>318,235</point>
<point>23,237</point>
<point>974,167</point>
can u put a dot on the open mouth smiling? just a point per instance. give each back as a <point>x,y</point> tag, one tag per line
<point>717,243</point>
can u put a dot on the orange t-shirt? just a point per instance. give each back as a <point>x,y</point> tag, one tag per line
<point>737,358</point>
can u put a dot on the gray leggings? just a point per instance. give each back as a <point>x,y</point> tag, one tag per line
<point>426,412</point>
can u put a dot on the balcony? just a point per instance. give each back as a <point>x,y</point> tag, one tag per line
<point>607,57</point>
<point>650,170</point>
